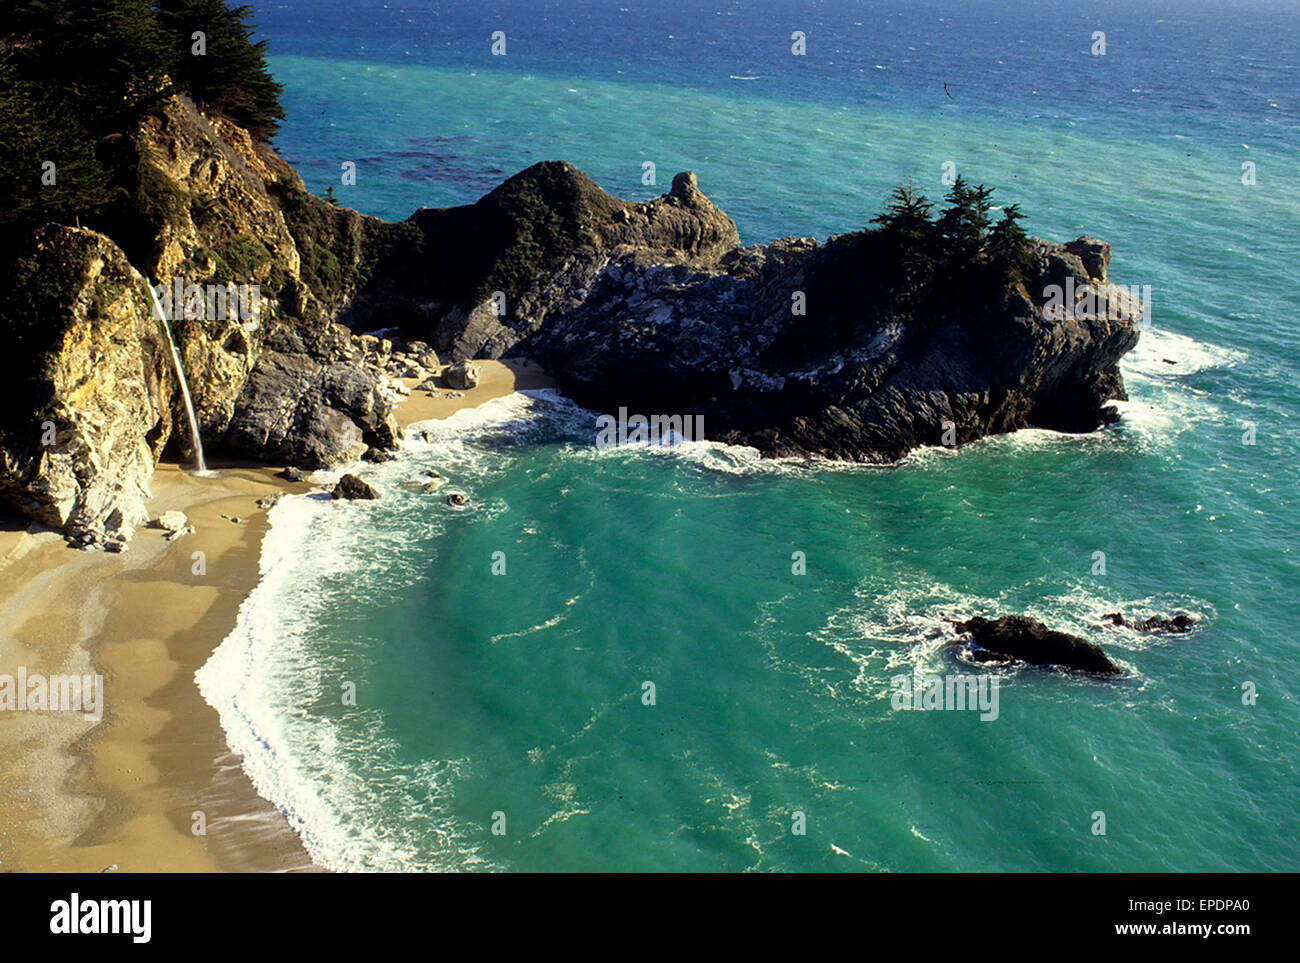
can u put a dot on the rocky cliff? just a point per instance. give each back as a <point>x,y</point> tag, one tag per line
<point>97,398</point>
<point>792,348</point>
<point>654,306</point>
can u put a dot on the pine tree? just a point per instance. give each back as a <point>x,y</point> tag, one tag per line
<point>103,61</point>
<point>224,70</point>
<point>963,225</point>
<point>909,236</point>
<point>1008,247</point>
<point>36,136</point>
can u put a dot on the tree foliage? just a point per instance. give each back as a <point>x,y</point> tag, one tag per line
<point>229,75</point>
<point>77,76</point>
<point>924,256</point>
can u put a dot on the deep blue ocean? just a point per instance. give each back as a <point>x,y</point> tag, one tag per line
<point>501,720</point>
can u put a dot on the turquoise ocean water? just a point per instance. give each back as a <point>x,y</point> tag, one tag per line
<point>521,693</point>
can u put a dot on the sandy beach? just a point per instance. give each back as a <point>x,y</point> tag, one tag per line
<point>130,790</point>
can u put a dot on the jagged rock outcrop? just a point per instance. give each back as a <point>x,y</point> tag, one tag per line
<point>1028,640</point>
<point>79,452</point>
<point>352,488</point>
<point>792,347</point>
<point>1179,623</point>
<point>310,402</point>
<point>851,377</point>
<point>494,271</point>
<point>88,356</point>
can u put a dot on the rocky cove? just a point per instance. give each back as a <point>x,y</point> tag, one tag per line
<point>655,306</point>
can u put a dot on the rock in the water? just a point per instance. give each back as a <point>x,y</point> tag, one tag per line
<point>1180,622</point>
<point>172,521</point>
<point>1028,640</point>
<point>861,377</point>
<point>457,499</point>
<point>378,455</point>
<point>462,374</point>
<point>352,487</point>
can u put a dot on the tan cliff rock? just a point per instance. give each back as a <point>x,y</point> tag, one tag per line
<point>86,464</point>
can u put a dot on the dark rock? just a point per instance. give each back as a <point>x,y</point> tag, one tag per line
<point>457,500</point>
<point>378,455</point>
<point>854,378</point>
<point>1028,640</point>
<point>1094,254</point>
<point>305,403</point>
<point>352,487</point>
<point>1179,623</point>
<point>292,474</point>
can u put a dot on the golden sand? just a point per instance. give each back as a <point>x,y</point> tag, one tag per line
<point>128,791</point>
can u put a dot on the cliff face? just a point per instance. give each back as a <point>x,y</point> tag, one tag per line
<point>102,403</point>
<point>653,306</point>
<point>845,375</point>
<point>482,277</point>
<point>205,206</point>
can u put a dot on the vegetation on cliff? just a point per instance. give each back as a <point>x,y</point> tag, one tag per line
<point>77,77</point>
<point>929,259</point>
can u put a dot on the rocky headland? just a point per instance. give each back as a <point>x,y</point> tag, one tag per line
<point>794,347</point>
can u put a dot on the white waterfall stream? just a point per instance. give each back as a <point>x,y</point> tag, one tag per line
<point>180,376</point>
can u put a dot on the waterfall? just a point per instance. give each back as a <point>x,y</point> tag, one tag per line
<point>180,375</point>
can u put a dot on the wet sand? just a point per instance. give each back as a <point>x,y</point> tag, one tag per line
<point>130,790</point>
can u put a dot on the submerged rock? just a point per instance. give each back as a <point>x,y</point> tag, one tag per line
<point>352,487</point>
<point>1180,622</point>
<point>1028,640</point>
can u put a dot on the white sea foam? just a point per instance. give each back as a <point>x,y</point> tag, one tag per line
<point>273,685</point>
<point>1167,354</point>
<point>907,625</point>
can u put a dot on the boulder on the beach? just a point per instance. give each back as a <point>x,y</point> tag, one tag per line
<point>1180,622</point>
<point>180,533</point>
<point>351,487</point>
<point>462,374</point>
<point>171,521</point>
<point>1028,640</point>
<point>292,474</point>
